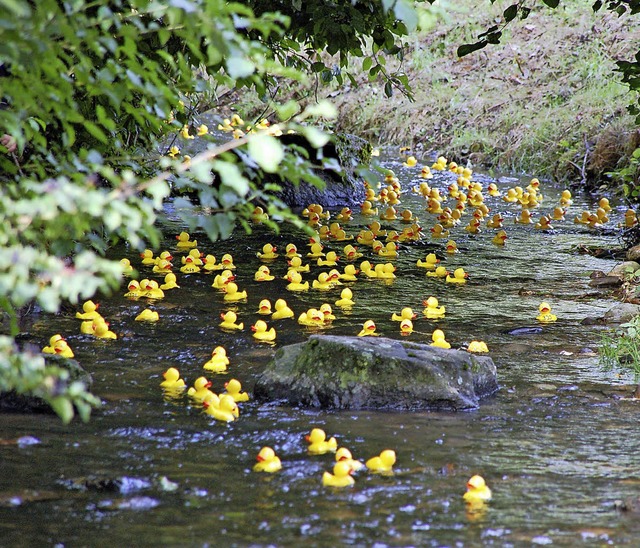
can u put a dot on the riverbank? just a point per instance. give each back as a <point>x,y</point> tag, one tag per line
<point>546,101</point>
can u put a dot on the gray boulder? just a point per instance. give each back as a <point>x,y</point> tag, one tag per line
<point>333,372</point>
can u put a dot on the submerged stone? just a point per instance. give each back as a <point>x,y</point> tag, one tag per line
<point>333,372</point>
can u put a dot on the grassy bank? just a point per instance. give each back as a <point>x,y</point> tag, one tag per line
<point>545,101</point>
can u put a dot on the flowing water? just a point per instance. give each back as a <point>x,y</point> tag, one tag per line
<point>557,443</point>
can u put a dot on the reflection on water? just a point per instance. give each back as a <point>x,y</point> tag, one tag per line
<point>556,444</point>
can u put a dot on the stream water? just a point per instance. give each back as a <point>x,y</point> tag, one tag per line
<point>557,444</point>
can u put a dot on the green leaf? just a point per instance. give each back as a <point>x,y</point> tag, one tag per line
<point>551,3</point>
<point>466,49</point>
<point>267,151</point>
<point>63,408</point>
<point>366,63</point>
<point>239,67</point>
<point>510,13</point>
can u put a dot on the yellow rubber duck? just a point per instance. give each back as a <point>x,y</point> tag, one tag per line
<point>170,282</point>
<point>432,310</point>
<point>259,216</point>
<point>221,280</point>
<point>440,164</point>
<point>390,250</point>
<point>162,267</point>
<point>261,332</point>
<point>459,277</point>
<point>184,242</point>
<point>368,209</point>
<point>152,290</point>
<point>492,190</point>
<point>282,310</point>
<point>500,238</point>
<point>229,321</point>
<point>88,327</point>
<point>331,259</point>
<point>344,455</point>
<point>172,380</point>
<point>439,340</point>
<point>558,214</point>
<point>291,251</point>
<point>225,411</point>
<point>210,263</point>
<point>544,223</point>
<point>296,283</point>
<point>267,461</point>
<point>264,307</point>
<point>319,444</point>
<point>346,299</point>
<point>345,214</point>
<point>545,315</point>
<point>148,315</point>
<point>367,269</point>
<point>406,313</point>
<point>316,251</point>
<point>477,490</point>
<point>189,267</point>
<point>430,262</point>
<point>368,329</point>
<point>218,361</point>
<point>101,331</point>
<point>89,311</point>
<point>511,196</point>
<point>268,253</point>
<point>233,294</point>
<point>341,236</point>
<point>406,327</point>
<point>385,271</point>
<point>566,198</point>
<point>477,347</point>
<point>323,282</point>
<point>495,221</point>
<point>604,204</point>
<point>439,272</point>
<point>473,227</point>
<point>350,273</point>
<point>341,476</point>
<point>263,274</point>
<point>296,264</point>
<point>234,389</point>
<point>311,318</point>
<point>50,348</point>
<point>524,218</point>
<point>147,257</point>
<point>630,219</point>
<point>127,267</point>
<point>200,389</point>
<point>62,349</point>
<point>452,247</point>
<point>438,231</point>
<point>327,312</point>
<point>133,290</point>
<point>383,463</point>
<point>365,237</point>
<point>226,262</point>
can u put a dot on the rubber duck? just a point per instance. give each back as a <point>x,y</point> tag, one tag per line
<point>218,361</point>
<point>365,237</point>
<point>432,310</point>
<point>604,204</point>
<point>263,274</point>
<point>630,219</point>
<point>341,476</point>
<point>439,272</point>
<point>268,253</point>
<point>229,321</point>
<point>267,461</point>
<point>500,238</point>
<point>350,273</point>
<point>200,389</point>
<point>311,318</point>
<point>511,196</point>
<point>331,259</point>
<point>439,340</point>
<point>344,455</point>
<point>162,267</point>
<point>316,251</point>
<point>101,331</point>
<point>210,263</point>
<point>170,282</point>
<point>477,490</point>
<point>383,463</point>
<point>385,271</point>
<point>368,270</point>
<point>405,314</point>
<point>264,308</point>
<point>327,312</point>
<point>282,311</point>
<point>261,332</point>
<point>376,245</point>
<point>61,348</point>
<point>440,164</point>
<point>583,219</point>
<point>545,315</point>
<point>296,283</point>
<point>566,198</point>
<point>346,299</point>
<point>189,267</point>
<point>544,223</point>
<point>148,315</point>
<point>226,262</point>
<point>452,247</point>
<point>406,327</point>
<point>341,236</point>
<point>127,267</point>
<point>152,290</point>
<point>134,291</point>
<point>473,227</point>
<point>88,327</point>
<point>172,380</point>
<point>477,347</point>
<point>232,294</point>
<point>221,280</point>
<point>426,173</point>
<point>234,389</point>
<point>495,221</point>
<point>89,311</point>
<point>324,232</point>
<point>319,444</point>
<point>558,214</point>
<point>430,262</point>
<point>601,213</point>
<point>368,329</point>
<point>323,282</point>
<point>259,216</point>
<point>434,206</point>
<point>345,215</point>
<point>147,257</point>
<point>291,251</point>
<point>459,276</point>
<point>368,209</point>
<point>225,411</point>
<point>50,348</point>
<point>184,242</point>
<point>492,190</point>
<point>524,218</point>
<point>390,250</point>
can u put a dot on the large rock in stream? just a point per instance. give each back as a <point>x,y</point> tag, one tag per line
<point>332,372</point>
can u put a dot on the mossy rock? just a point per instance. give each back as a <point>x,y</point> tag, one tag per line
<point>332,372</point>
